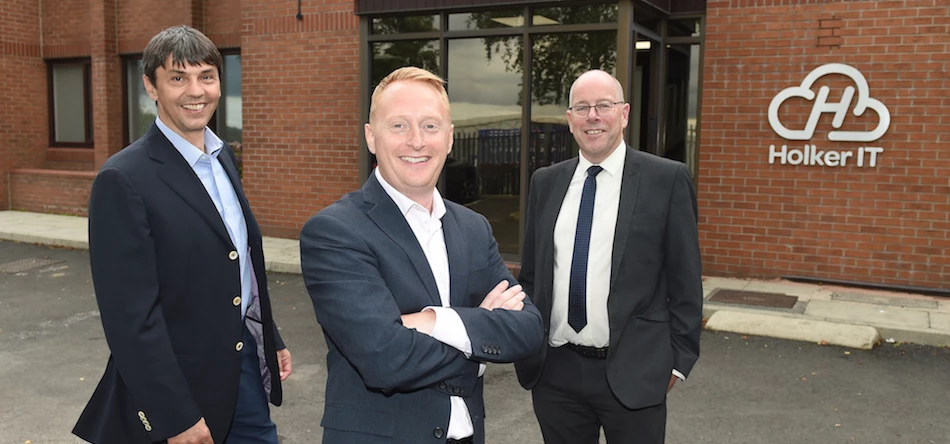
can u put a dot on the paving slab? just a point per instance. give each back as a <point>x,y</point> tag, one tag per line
<point>802,291</point>
<point>870,314</point>
<point>867,298</point>
<point>799,329</point>
<point>940,321</point>
<point>723,282</point>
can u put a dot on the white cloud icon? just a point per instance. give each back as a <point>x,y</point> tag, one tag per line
<point>839,109</point>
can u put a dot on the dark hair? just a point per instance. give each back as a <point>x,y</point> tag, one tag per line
<point>185,44</point>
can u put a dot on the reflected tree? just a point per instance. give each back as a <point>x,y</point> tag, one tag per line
<point>558,58</point>
<point>388,56</point>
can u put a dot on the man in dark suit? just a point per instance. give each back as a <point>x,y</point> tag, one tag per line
<point>611,258</point>
<point>399,279</point>
<point>178,268</point>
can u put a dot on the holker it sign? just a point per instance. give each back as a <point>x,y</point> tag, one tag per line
<point>810,154</point>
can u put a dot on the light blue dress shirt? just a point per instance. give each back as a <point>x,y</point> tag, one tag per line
<point>215,180</point>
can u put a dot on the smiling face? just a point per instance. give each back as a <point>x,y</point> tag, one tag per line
<point>187,96</point>
<point>597,135</point>
<point>410,132</point>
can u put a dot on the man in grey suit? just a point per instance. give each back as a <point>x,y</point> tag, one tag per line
<point>399,279</point>
<point>611,258</point>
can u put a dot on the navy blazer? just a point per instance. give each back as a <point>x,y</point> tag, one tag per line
<point>363,268</point>
<point>655,303</point>
<point>166,282</point>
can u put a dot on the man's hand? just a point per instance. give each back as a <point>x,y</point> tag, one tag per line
<point>503,297</point>
<point>284,363</point>
<point>423,321</point>
<point>673,380</point>
<point>197,434</point>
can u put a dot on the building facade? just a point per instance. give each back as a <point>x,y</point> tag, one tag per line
<point>813,128</point>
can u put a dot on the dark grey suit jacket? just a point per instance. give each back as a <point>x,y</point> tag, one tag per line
<point>655,301</point>
<point>363,268</point>
<point>165,281</point>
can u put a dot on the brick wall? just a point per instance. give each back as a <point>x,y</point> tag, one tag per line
<point>65,28</point>
<point>23,124</point>
<point>301,119</point>
<point>139,20</point>
<point>885,224</point>
<point>50,191</point>
<point>222,22</point>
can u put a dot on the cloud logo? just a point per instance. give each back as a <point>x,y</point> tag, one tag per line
<point>839,109</point>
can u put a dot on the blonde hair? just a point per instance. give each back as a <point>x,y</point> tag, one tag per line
<point>409,74</point>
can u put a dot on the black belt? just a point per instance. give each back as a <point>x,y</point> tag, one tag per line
<point>587,352</point>
<point>467,440</point>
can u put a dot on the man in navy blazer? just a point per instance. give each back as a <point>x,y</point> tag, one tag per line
<point>178,268</point>
<point>410,290</point>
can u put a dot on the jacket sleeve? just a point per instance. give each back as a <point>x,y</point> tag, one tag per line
<point>684,273</point>
<point>125,276</point>
<point>359,315</point>
<point>501,335</point>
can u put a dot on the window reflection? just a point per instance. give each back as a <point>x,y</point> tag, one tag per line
<point>396,25</point>
<point>569,15</point>
<point>389,56</point>
<point>486,20</point>
<point>484,168</point>
<point>558,60</point>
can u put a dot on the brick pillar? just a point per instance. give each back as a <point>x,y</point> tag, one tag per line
<point>106,80</point>
<point>23,117</point>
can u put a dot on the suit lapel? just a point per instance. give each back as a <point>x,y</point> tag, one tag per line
<point>385,214</point>
<point>180,177</point>
<point>628,203</point>
<point>458,259</point>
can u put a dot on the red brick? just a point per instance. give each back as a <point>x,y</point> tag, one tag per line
<point>860,224</point>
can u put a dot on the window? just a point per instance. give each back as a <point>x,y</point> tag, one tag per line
<point>228,120</point>
<point>70,103</point>
<point>140,108</point>
<point>508,122</point>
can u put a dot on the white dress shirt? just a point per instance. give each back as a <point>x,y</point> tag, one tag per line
<point>606,208</point>
<point>606,205</point>
<point>448,328</point>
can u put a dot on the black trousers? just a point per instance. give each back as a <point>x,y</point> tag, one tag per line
<point>573,401</point>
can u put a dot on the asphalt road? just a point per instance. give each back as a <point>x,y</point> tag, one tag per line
<point>744,390</point>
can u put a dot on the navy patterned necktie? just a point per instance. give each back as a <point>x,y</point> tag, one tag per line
<point>577,293</point>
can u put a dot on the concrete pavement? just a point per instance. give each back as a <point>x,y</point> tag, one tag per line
<point>857,318</point>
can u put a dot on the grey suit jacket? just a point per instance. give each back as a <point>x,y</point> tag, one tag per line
<point>655,301</point>
<point>363,268</point>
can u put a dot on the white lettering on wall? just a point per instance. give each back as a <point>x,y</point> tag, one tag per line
<point>810,155</point>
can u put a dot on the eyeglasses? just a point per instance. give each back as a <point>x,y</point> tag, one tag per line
<point>603,109</point>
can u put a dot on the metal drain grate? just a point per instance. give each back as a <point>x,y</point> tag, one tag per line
<point>753,298</point>
<point>26,264</point>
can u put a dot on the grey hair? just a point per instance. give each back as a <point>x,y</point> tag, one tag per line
<point>185,44</point>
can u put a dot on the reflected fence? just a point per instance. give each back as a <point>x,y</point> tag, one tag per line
<point>488,161</point>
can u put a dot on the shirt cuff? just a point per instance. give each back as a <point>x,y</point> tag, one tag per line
<point>450,330</point>
<point>679,375</point>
